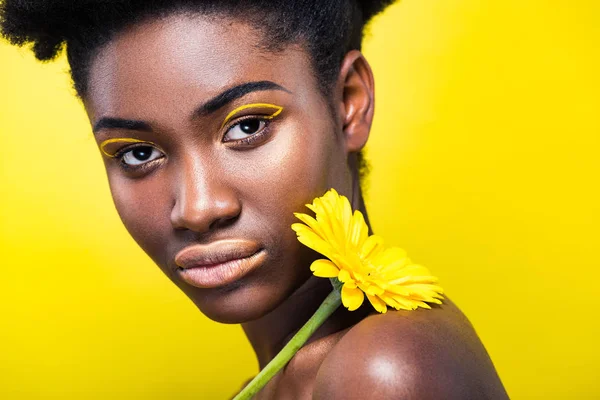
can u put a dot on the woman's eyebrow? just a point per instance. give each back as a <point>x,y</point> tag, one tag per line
<point>120,123</point>
<point>234,93</point>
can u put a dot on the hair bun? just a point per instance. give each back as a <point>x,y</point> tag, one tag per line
<point>47,49</point>
<point>370,8</point>
<point>40,23</point>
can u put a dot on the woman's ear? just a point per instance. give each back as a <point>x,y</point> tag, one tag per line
<point>358,100</point>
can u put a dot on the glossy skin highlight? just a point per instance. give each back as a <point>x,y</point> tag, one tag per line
<point>190,89</point>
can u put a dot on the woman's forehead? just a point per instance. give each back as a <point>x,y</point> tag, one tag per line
<point>185,58</point>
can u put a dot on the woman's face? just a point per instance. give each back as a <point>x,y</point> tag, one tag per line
<point>210,142</point>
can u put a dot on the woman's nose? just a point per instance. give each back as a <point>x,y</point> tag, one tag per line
<point>203,202</point>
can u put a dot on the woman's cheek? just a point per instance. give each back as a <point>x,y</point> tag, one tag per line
<point>141,205</point>
<point>296,162</point>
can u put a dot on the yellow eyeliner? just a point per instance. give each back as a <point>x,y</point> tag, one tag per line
<point>120,140</point>
<point>278,111</point>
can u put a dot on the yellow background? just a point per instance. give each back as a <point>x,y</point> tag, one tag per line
<point>485,168</point>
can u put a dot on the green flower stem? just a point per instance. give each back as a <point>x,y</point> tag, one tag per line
<point>329,305</point>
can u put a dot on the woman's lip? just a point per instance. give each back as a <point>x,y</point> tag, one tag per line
<point>216,275</point>
<point>201,255</point>
<point>218,263</point>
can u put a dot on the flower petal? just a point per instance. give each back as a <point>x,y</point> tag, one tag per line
<point>329,227</point>
<point>359,231</point>
<point>352,298</point>
<point>351,284</point>
<point>324,269</point>
<point>413,270</point>
<point>399,302</point>
<point>390,301</point>
<point>347,215</point>
<point>344,276</point>
<point>377,303</point>
<point>393,269</point>
<point>389,255</point>
<point>399,290</point>
<point>311,208</point>
<point>372,246</point>
<point>311,222</point>
<point>374,290</point>
<point>310,239</point>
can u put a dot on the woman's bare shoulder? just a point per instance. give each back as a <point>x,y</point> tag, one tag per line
<point>422,354</point>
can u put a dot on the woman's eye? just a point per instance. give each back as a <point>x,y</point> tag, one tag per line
<point>140,155</point>
<point>245,128</point>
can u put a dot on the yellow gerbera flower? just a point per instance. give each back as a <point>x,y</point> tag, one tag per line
<point>386,276</point>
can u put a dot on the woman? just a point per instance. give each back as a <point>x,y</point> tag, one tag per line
<point>217,120</point>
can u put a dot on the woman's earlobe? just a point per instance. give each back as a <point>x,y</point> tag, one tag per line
<point>358,100</point>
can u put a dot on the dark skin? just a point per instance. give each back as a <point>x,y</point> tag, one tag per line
<point>194,181</point>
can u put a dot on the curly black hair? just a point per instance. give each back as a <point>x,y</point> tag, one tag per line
<point>327,28</point>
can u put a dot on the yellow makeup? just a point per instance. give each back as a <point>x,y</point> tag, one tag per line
<point>120,140</point>
<point>278,110</point>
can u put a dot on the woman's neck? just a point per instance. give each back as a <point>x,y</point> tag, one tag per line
<point>270,333</point>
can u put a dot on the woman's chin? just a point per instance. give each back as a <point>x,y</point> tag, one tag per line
<point>252,296</point>
<point>235,303</point>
